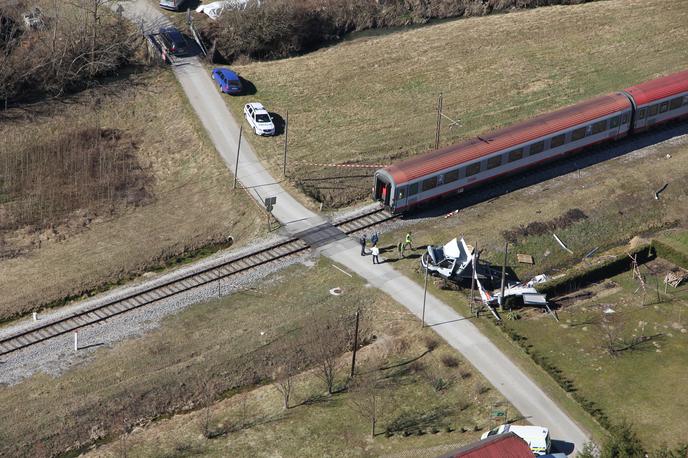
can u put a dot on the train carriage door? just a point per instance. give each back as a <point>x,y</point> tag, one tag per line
<point>382,190</point>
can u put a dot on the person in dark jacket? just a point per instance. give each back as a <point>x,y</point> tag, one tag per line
<point>363,244</point>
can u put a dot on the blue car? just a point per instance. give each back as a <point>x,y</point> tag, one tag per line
<point>228,81</point>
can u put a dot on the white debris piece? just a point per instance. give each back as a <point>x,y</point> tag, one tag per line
<point>214,9</point>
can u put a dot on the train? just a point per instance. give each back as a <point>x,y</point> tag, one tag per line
<point>526,145</point>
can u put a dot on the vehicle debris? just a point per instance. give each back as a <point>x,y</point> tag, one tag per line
<point>525,258</point>
<point>561,243</point>
<point>454,261</point>
<point>675,279</point>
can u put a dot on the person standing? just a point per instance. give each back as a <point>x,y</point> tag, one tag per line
<point>375,238</point>
<point>400,248</point>
<point>408,242</point>
<point>376,252</point>
<point>362,240</point>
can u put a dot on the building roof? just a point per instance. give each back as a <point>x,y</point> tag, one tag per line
<point>507,445</point>
<point>503,139</point>
<point>659,88</point>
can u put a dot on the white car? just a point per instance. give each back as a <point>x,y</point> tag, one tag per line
<point>259,119</point>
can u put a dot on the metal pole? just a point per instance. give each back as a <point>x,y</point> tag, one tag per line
<point>501,296</point>
<point>353,357</point>
<point>286,137</point>
<point>425,292</point>
<point>473,276</point>
<point>236,167</point>
<point>76,341</point>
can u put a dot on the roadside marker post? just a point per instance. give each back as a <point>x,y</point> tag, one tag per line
<point>76,340</point>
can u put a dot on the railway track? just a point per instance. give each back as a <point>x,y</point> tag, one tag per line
<point>141,298</point>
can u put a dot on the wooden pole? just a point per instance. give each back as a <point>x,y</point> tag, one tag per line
<point>236,166</point>
<point>353,357</point>
<point>286,138</point>
<point>425,292</point>
<point>501,296</point>
<point>438,125</point>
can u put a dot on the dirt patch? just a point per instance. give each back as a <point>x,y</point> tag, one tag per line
<point>58,187</point>
<point>543,227</point>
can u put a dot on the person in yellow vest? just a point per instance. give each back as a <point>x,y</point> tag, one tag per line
<point>408,243</point>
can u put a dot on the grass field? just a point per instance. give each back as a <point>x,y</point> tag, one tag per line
<point>189,202</point>
<point>373,100</point>
<point>236,343</point>
<point>617,198</point>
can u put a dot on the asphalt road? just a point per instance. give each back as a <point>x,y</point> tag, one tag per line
<point>458,331</point>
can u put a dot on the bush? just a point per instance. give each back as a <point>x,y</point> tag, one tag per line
<point>431,342</point>
<point>450,361</point>
<point>281,28</point>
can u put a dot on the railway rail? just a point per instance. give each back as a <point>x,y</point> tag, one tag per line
<point>141,298</point>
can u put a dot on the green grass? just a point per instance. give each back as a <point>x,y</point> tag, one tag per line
<point>373,100</point>
<point>643,386</point>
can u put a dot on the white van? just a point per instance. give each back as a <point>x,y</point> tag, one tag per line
<point>537,437</point>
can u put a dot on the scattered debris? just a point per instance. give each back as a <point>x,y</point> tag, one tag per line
<point>455,212</point>
<point>675,279</point>
<point>336,291</point>
<point>661,190</point>
<point>525,258</point>
<point>561,243</point>
<point>214,9</point>
<point>668,156</point>
<point>33,19</point>
<point>591,252</point>
<point>608,311</point>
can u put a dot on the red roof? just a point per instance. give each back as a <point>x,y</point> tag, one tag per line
<point>485,144</point>
<point>507,445</point>
<point>659,88</point>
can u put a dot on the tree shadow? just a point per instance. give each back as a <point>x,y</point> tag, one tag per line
<point>416,423</point>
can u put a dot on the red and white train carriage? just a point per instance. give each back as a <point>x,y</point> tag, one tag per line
<point>453,169</point>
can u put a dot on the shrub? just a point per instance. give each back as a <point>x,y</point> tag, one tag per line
<point>431,342</point>
<point>450,361</point>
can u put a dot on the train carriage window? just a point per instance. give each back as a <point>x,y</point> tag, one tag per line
<point>598,127</point>
<point>494,162</point>
<point>578,134</point>
<point>452,175</point>
<point>413,189</point>
<point>515,155</point>
<point>429,184</point>
<point>401,193</point>
<point>473,169</point>
<point>557,141</point>
<point>625,117</point>
<point>664,107</point>
<point>614,122</point>
<point>676,103</point>
<point>641,113</point>
<point>537,148</point>
<point>653,110</point>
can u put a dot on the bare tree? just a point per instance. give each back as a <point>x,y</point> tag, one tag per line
<point>284,381</point>
<point>615,338</point>
<point>327,341</point>
<point>369,398</point>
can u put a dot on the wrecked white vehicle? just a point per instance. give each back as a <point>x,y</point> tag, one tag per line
<point>453,261</point>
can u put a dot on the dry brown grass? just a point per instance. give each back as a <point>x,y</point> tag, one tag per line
<point>232,345</point>
<point>372,100</point>
<point>192,202</point>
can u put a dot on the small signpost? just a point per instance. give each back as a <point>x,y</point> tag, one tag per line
<point>269,205</point>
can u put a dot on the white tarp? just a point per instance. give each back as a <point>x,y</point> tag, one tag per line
<point>214,9</point>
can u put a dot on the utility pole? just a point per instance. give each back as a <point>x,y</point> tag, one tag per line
<point>425,292</point>
<point>286,137</point>
<point>438,124</point>
<point>474,275</point>
<point>501,296</point>
<point>353,357</point>
<point>236,167</point>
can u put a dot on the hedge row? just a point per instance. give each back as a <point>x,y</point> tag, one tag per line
<point>671,254</point>
<point>267,29</point>
<point>577,278</point>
